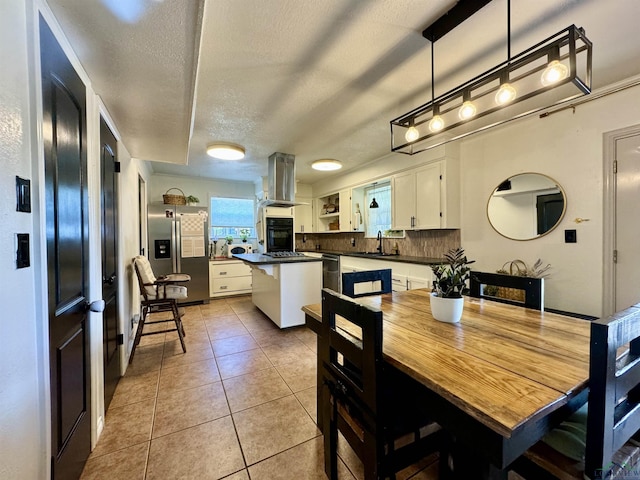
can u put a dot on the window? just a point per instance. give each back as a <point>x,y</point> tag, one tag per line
<point>232,216</point>
<point>377,219</point>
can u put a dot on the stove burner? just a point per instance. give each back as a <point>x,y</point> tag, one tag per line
<point>284,254</point>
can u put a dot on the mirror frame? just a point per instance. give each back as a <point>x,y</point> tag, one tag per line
<point>564,208</point>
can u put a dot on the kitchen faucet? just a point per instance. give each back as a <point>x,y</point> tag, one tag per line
<point>379,241</point>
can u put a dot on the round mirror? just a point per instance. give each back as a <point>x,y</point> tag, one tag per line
<point>526,206</point>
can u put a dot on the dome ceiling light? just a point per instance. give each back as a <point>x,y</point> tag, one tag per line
<point>554,71</point>
<point>326,165</point>
<point>225,151</point>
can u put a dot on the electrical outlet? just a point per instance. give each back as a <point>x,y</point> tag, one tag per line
<point>353,242</point>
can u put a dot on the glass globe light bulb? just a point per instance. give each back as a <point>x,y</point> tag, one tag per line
<point>412,134</point>
<point>467,110</point>
<point>554,72</point>
<point>436,123</point>
<point>505,94</point>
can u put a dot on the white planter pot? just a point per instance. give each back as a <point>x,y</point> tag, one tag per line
<point>446,309</point>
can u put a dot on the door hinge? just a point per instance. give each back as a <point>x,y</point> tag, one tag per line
<point>440,177</point>
<point>116,167</point>
<point>615,256</point>
<point>615,166</point>
<point>120,339</point>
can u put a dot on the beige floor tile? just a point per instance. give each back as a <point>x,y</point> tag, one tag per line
<point>281,354</point>
<point>257,428</point>
<point>300,374</point>
<point>174,356</point>
<point>241,475</point>
<point>203,452</point>
<point>302,461</point>
<point>135,388</point>
<point>308,400</point>
<point>229,345</point>
<point>177,410</point>
<point>126,426</point>
<point>230,328</point>
<point>188,376</point>
<point>127,463</point>
<point>254,388</point>
<point>240,305</point>
<point>146,359</point>
<point>242,363</point>
<point>258,325</point>
<point>275,336</point>
<point>216,309</point>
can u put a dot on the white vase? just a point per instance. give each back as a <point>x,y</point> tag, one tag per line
<point>446,309</point>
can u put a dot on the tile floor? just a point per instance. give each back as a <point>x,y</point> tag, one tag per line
<point>240,404</point>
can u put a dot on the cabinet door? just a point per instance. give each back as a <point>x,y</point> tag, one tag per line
<point>403,191</point>
<point>428,211</point>
<point>345,210</point>
<point>302,216</point>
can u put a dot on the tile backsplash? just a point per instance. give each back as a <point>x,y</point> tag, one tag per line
<point>422,243</point>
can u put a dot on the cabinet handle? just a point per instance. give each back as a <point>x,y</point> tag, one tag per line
<point>223,273</point>
<point>301,228</point>
<point>223,287</point>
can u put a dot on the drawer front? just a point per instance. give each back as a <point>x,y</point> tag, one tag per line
<point>398,283</point>
<point>230,270</point>
<point>232,284</point>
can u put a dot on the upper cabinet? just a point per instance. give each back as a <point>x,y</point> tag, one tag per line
<point>334,212</point>
<point>427,197</point>
<point>303,216</point>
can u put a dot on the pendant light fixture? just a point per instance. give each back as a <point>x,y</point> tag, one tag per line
<point>551,72</point>
<point>373,203</point>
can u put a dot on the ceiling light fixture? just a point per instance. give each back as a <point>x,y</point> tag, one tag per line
<point>225,151</point>
<point>510,90</point>
<point>326,165</point>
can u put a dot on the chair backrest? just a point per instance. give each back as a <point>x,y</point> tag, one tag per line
<point>614,389</point>
<point>366,282</point>
<point>533,288</point>
<point>146,278</point>
<point>351,349</point>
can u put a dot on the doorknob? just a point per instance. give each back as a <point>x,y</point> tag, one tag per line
<point>97,306</point>
<point>110,280</point>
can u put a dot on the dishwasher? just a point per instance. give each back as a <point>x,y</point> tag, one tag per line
<point>331,272</point>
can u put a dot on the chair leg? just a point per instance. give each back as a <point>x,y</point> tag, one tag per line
<point>330,431</point>
<point>136,341</point>
<point>179,328</point>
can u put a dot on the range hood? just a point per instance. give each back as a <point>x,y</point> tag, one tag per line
<point>282,181</point>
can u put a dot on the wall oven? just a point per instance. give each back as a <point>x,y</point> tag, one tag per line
<point>278,234</point>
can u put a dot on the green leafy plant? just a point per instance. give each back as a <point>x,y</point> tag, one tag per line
<point>192,199</point>
<point>451,277</point>
<point>229,239</point>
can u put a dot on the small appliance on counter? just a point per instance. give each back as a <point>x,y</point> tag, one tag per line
<point>238,248</point>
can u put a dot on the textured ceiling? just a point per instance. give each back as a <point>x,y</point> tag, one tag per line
<point>315,78</point>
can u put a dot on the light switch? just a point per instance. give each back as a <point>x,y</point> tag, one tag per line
<point>23,195</point>
<point>570,236</point>
<point>22,253</point>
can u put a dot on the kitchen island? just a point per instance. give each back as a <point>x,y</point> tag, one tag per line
<point>282,285</point>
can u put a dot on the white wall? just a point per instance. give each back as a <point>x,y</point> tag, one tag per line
<point>22,375</point>
<point>198,187</point>
<point>568,147</point>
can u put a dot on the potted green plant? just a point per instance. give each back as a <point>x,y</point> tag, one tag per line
<point>191,200</point>
<point>244,234</point>
<point>229,239</point>
<point>450,282</point>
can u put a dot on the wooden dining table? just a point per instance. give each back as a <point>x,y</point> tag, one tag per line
<point>498,380</point>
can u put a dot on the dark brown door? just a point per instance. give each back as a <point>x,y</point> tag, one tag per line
<point>109,210</point>
<point>64,135</point>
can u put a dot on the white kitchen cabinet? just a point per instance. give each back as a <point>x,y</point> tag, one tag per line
<point>229,277</point>
<point>303,216</point>
<point>334,212</point>
<point>427,197</point>
<point>404,276</point>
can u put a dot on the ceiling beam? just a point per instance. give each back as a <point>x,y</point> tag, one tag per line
<point>462,10</point>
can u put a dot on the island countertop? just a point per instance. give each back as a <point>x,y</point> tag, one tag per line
<point>260,259</point>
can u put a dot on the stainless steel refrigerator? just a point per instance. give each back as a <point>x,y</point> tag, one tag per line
<point>178,241</point>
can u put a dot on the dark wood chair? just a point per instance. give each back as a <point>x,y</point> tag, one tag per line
<point>611,449</point>
<point>378,280</point>
<point>377,408</point>
<point>158,295</point>
<point>533,288</point>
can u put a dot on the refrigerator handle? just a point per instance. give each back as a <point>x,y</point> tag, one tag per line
<point>178,249</point>
<point>175,250</point>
